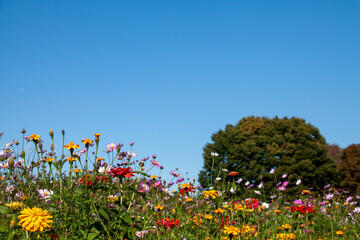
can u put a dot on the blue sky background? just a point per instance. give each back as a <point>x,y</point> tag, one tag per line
<point>169,74</point>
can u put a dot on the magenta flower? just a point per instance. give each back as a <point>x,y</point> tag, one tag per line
<point>155,163</point>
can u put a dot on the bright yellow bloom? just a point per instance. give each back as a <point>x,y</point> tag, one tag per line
<point>76,170</point>
<point>15,206</point>
<point>340,233</point>
<point>185,185</point>
<point>153,177</point>
<point>87,141</point>
<point>50,159</point>
<point>97,134</point>
<point>305,191</point>
<point>71,146</point>
<point>285,236</point>
<point>159,207</point>
<point>34,219</point>
<point>231,230</point>
<point>212,193</point>
<point>277,211</point>
<point>208,217</point>
<point>285,226</point>
<point>34,137</point>
<point>188,199</point>
<point>219,210</point>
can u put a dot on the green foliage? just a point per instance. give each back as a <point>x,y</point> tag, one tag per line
<point>256,145</point>
<point>350,168</point>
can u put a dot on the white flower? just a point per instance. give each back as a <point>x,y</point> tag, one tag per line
<point>214,154</point>
<point>284,176</point>
<point>218,178</point>
<point>239,180</point>
<point>357,210</point>
<point>265,205</point>
<point>211,188</point>
<point>9,188</point>
<point>257,192</point>
<point>261,185</point>
<point>104,170</point>
<point>224,170</point>
<point>232,190</point>
<point>247,183</point>
<point>45,194</point>
<point>298,182</point>
<point>132,155</point>
<point>272,171</point>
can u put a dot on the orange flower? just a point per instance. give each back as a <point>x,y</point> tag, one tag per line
<point>233,173</point>
<point>87,141</point>
<point>34,137</point>
<point>97,134</point>
<point>71,146</point>
<point>305,191</point>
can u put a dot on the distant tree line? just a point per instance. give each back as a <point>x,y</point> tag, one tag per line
<point>262,150</point>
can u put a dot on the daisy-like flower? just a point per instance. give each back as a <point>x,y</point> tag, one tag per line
<point>34,219</point>
<point>232,231</point>
<point>45,194</point>
<point>111,147</point>
<point>113,198</point>
<point>87,142</point>
<point>15,206</point>
<point>155,163</point>
<point>71,146</point>
<point>233,173</point>
<point>104,169</point>
<point>211,193</point>
<point>34,137</point>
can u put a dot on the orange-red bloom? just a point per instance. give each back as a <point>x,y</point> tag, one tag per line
<point>71,146</point>
<point>233,173</point>
<point>167,222</point>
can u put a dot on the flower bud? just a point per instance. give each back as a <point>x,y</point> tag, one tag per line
<point>91,195</point>
<point>23,154</point>
<point>51,133</point>
<point>141,163</point>
<point>23,131</point>
<point>11,163</point>
<point>40,146</point>
<point>143,210</point>
<point>12,225</point>
<point>63,132</point>
<point>16,142</point>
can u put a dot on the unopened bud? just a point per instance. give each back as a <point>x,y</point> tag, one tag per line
<point>23,131</point>
<point>16,142</point>
<point>11,163</point>
<point>91,195</point>
<point>23,154</point>
<point>141,163</point>
<point>51,133</point>
<point>63,132</point>
<point>12,225</point>
<point>52,147</point>
<point>143,210</point>
<point>132,225</point>
<point>40,146</point>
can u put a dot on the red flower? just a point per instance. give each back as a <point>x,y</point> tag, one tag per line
<point>187,190</point>
<point>121,172</point>
<point>89,183</point>
<point>302,209</point>
<point>233,173</point>
<point>167,222</point>
<point>252,203</point>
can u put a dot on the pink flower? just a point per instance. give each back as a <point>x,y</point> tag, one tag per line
<point>155,163</point>
<point>111,147</point>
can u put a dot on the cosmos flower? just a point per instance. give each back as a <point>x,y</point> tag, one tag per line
<point>155,163</point>
<point>111,147</point>
<point>45,194</point>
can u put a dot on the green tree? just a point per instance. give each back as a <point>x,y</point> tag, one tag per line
<point>256,145</point>
<point>350,168</point>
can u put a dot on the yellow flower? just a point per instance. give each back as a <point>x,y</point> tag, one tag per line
<point>277,211</point>
<point>76,170</point>
<point>159,207</point>
<point>15,206</point>
<point>185,185</point>
<point>71,146</point>
<point>34,219</point>
<point>24,197</point>
<point>188,199</point>
<point>208,217</point>
<point>112,198</point>
<point>305,191</point>
<point>97,134</point>
<point>87,142</point>
<point>153,177</point>
<point>285,226</point>
<point>71,159</point>
<point>50,159</point>
<point>219,210</point>
<point>340,233</point>
<point>231,230</point>
<point>212,193</point>
<point>34,137</point>
<point>285,236</point>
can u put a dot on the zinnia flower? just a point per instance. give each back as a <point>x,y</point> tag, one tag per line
<point>232,231</point>
<point>15,206</point>
<point>34,219</point>
<point>121,172</point>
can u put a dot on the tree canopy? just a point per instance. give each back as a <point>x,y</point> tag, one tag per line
<point>350,168</point>
<point>256,145</point>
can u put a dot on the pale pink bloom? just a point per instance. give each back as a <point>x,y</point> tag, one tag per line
<point>45,194</point>
<point>111,147</point>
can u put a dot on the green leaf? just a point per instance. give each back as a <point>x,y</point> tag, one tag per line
<point>104,213</point>
<point>4,209</point>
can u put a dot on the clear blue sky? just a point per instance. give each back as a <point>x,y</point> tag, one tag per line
<point>169,74</point>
